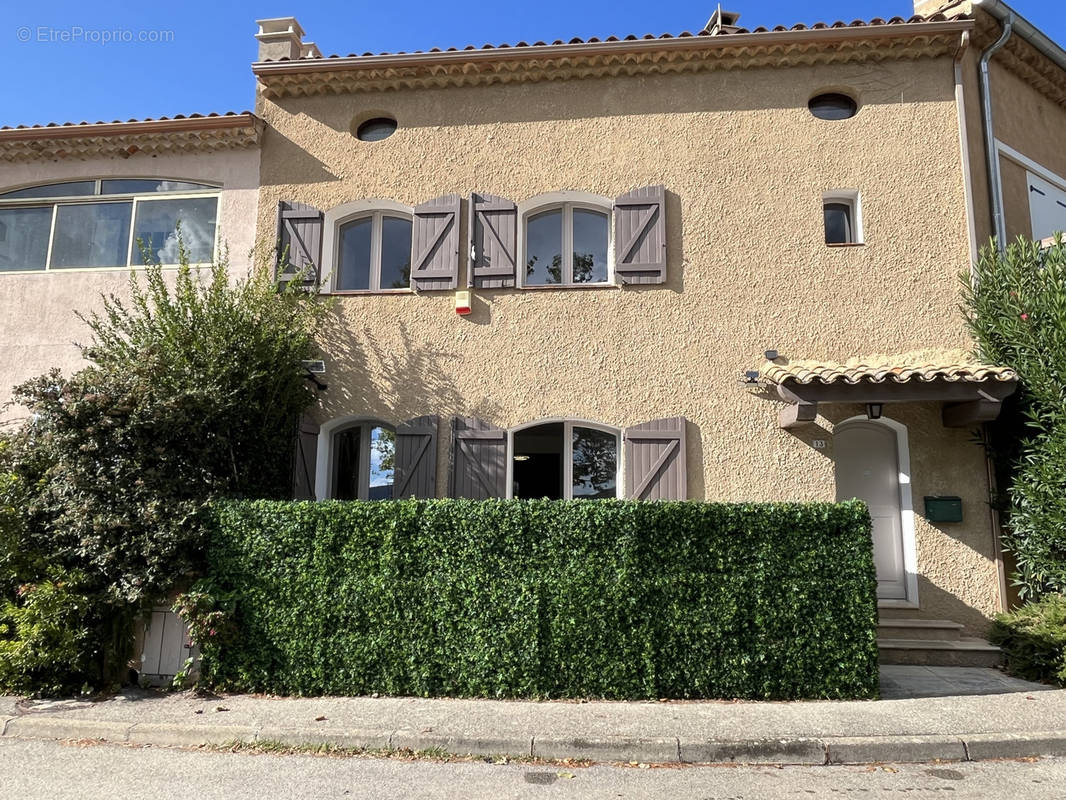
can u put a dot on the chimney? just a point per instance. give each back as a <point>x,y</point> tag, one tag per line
<point>722,22</point>
<point>282,38</point>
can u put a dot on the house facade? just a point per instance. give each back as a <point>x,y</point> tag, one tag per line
<point>713,266</point>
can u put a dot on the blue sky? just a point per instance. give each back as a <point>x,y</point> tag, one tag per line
<point>63,62</point>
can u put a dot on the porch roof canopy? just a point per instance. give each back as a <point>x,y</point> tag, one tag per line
<point>971,392</point>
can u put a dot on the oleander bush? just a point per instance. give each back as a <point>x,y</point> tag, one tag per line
<point>1033,639</point>
<point>542,599</point>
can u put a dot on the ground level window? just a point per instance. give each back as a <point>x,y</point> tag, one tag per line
<point>363,462</point>
<point>564,460</point>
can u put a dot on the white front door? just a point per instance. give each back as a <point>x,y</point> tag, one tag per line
<point>867,467</point>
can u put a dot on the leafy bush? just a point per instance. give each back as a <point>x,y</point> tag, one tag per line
<point>47,642</point>
<point>193,392</point>
<point>1016,308</point>
<point>545,599</point>
<point>1033,639</point>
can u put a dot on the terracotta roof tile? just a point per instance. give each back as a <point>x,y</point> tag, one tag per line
<point>86,124</point>
<point>926,366</point>
<point>872,23</point>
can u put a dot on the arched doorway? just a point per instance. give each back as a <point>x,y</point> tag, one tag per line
<point>871,465</point>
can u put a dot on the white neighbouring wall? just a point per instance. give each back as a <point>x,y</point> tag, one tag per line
<point>38,326</point>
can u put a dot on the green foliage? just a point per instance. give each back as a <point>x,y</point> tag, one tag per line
<point>1033,639</point>
<point>517,598</point>
<point>192,392</point>
<point>1015,306</point>
<point>47,641</point>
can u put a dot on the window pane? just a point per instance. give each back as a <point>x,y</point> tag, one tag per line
<point>141,186</point>
<point>544,248</point>
<point>590,246</point>
<point>346,464</point>
<point>354,269</point>
<point>595,464</point>
<point>156,229</point>
<point>538,462</point>
<point>837,223</point>
<point>395,253</point>
<point>92,235</point>
<point>24,238</point>
<point>70,189</point>
<point>382,462</point>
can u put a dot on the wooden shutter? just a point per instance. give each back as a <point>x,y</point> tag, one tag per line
<point>415,471</point>
<point>640,236</point>
<point>435,244</point>
<point>305,461</point>
<point>493,241</point>
<point>299,242</point>
<point>655,460</point>
<point>479,459</point>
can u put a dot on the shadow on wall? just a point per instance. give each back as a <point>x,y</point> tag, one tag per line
<point>392,377</point>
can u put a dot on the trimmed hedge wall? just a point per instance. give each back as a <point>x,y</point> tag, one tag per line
<point>516,598</point>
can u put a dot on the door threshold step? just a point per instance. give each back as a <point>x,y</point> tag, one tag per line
<point>962,652</point>
<point>936,629</point>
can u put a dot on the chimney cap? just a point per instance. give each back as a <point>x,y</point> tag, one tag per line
<point>276,25</point>
<point>722,21</point>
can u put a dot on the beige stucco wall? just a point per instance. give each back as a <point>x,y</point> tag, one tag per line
<point>745,166</point>
<point>38,326</point>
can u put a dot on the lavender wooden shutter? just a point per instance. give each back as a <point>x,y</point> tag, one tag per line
<point>640,236</point>
<point>435,244</point>
<point>655,460</point>
<point>493,241</point>
<point>299,242</point>
<point>415,473</point>
<point>305,461</point>
<point>479,459</point>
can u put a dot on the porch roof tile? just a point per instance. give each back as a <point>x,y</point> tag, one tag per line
<point>923,367</point>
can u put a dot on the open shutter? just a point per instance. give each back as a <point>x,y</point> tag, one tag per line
<point>415,473</point>
<point>655,460</point>
<point>479,459</point>
<point>640,236</point>
<point>305,461</point>
<point>493,240</point>
<point>435,244</point>
<point>299,242</point>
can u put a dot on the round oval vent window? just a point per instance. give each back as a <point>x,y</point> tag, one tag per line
<point>833,106</point>
<point>374,130</point>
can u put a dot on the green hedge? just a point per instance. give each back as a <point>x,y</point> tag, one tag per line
<point>505,598</point>
<point>1033,639</point>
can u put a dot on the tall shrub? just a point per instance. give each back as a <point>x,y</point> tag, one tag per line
<point>192,392</point>
<point>1015,305</point>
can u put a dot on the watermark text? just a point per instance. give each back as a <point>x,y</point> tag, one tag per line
<point>76,34</point>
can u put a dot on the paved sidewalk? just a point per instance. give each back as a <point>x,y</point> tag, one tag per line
<point>1006,723</point>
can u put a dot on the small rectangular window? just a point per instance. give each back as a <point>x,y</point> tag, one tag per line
<point>840,211</point>
<point>24,239</point>
<point>156,229</point>
<point>92,235</point>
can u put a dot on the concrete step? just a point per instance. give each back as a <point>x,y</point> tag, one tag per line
<point>942,630</point>
<point>963,652</point>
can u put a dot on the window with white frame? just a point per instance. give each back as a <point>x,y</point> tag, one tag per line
<point>565,240</point>
<point>106,223</point>
<point>564,460</point>
<point>842,217</point>
<point>363,456</point>
<point>373,252</point>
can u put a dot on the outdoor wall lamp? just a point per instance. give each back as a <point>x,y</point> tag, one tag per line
<point>873,410</point>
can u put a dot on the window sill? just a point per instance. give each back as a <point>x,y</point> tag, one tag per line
<point>578,286</point>
<point>365,292</point>
<point>845,244</point>
<point>64,270</point>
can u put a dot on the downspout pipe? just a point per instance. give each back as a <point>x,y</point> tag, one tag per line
<point>995,185</point>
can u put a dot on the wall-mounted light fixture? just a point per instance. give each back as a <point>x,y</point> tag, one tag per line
<point>873,410</point>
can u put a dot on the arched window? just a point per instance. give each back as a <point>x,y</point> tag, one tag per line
<point>363,461</point>
<point>564,460</point>
<point>565,240</point>
<point>105,223</point>
<point>369,244</point>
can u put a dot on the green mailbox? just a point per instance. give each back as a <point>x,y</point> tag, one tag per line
<point>943,509</point>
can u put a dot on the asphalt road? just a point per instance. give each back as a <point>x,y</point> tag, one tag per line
<point>54,770</point>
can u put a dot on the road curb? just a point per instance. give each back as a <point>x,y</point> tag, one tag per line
<point>809,751</point>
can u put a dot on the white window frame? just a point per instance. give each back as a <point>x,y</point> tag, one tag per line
<point>336,218</point>
<point>569,424</point>
<point>565,201</point>
<point>853,199</point>
<point>99,199</point>
<point>327,433</point>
